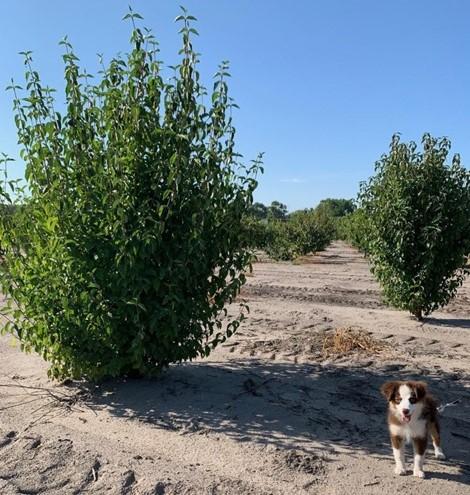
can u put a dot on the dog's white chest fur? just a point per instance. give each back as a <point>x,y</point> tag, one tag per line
<point>415,428</point>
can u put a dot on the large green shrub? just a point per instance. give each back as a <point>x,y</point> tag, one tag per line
<point>310,231</point>
<point>276,211</point>
<point>330,212</point>
<point>418,208</point>
<point>354,228</point>
<point>258,211</point>
<point>254,232</point>
<point>130,245</point>
<point>279,244</point>
<point>300,234</point>
<point>336,207</point>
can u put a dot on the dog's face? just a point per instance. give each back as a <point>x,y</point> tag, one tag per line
<point>404,398</point>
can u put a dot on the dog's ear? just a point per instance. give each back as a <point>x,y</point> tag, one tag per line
<point>420,388</point>
<point>388,390</point>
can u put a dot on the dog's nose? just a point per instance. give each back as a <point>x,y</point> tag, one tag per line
<point>406,411</point>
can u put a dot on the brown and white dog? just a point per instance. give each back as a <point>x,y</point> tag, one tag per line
<point>412,416</point>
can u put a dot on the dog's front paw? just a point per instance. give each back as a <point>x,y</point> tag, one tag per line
<point>418,473</point>
<point>400,470</point>
<point>438,454</point>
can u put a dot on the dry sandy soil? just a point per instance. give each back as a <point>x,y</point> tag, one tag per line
<point>266,414</point>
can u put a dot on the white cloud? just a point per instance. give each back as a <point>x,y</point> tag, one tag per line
<point>294,180</point>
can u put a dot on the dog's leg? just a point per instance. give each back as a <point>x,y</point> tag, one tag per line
<point>436,439</point>
<point>419,446</point>
<point>399,454</point>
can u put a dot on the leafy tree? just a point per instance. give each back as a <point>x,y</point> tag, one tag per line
<point>420,226</point>
<point>277,211</point>
<point>300,234</point>
<point>326,222</point>
<point>329,213</point>
<point>131,243</point>
<point>309,233</point>
<point>258,211</point>
<point>335,207</point>
<point>279,243</point>
<point>254,233</point>
<point>354,228</point>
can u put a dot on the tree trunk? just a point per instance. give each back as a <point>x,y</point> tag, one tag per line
<point>418,313</point>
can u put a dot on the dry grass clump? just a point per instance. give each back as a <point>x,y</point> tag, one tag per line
<point>349,339</point>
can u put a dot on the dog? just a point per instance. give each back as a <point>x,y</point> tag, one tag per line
<point>412,416</point>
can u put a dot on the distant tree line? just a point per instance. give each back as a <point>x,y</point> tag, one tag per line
<point>285,236</point>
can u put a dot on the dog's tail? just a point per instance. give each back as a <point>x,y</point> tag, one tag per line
<point>441,408</point>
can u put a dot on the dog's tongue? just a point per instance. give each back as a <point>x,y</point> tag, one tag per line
<point>406,419</point>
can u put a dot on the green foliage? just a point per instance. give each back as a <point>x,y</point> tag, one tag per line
<point>286,236</point>
<point>131,243</point>
<point>354,228</point>
<point>258,211</point>
<point>336,207</point>
<point>254,232</point>
<point>7,212</point>
<point>329,214</point>
<point>309,233</point>
<point>418,208</point>
<point>277,211</point>
<point>325,222</point>
<point>300,234</point>
<point>279,243</point>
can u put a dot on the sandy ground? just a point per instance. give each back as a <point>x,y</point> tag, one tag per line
<point>266,414</point>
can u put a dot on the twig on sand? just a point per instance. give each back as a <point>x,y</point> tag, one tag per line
<point>371,483</point>
<point>54,401</point>
<point>21,403</point>
<point>71,398</point>
<point>68,400</point>
<point>251,387</point>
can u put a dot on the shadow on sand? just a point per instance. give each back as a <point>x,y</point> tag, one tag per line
<point>448,322</point>
<point>301,406</point>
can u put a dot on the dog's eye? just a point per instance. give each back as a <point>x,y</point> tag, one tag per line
<point>397,400</point>
<point>412,400</point>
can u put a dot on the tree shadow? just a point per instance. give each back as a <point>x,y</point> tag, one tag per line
<point>447,322</point>
<point>301,406</point>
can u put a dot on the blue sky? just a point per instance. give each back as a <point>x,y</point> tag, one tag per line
<point>322,85</point>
